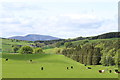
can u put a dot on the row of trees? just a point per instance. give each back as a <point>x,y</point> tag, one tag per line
<point>110,53</point>
<point>87,54</point>
<point>105,52</point>
<point>102,36</point>
<point>27,50</point>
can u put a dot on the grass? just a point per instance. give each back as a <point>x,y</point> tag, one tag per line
<point>52,50</point>
<point>18,66</point>
<point>6,44</point>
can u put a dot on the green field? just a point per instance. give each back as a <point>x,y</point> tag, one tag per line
<point>6,44</point>
<point>52,50</point>
<point>55,66</point>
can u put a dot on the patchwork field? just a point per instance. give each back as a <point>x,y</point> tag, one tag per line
<point>6,45</point>
<point>54,66</point>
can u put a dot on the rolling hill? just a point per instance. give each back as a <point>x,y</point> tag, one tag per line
<point>55,66</point>
<point>34,37</point>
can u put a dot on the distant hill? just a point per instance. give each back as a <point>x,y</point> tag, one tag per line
<point>34,37</point>
<point>107,35</point>
<point>45,38</point>
<point>102,36</point>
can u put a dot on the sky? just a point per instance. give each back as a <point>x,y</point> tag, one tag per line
<point>58,18</point>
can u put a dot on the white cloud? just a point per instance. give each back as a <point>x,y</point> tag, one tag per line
<point>59,26</point>
<point>79,16</point>
<point>26,18</point>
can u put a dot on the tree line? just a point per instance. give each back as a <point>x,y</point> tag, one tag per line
<point>93,53</point>
<point>102,36</point>
<point>27,50</point>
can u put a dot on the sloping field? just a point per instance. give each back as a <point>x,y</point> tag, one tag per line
<point>54,66</point>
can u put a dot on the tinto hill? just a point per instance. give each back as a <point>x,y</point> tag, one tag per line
<point>34,37</point>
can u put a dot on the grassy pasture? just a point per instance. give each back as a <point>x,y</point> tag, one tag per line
<point>55,66</point>
<point>52,50</point>
<point>18,65</point>
<point>6,44</point>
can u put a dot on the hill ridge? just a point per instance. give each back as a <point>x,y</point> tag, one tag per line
<point>34,37</point>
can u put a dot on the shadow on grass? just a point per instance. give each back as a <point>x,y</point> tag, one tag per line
<point>24,56</point>
<point>37,58</point>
